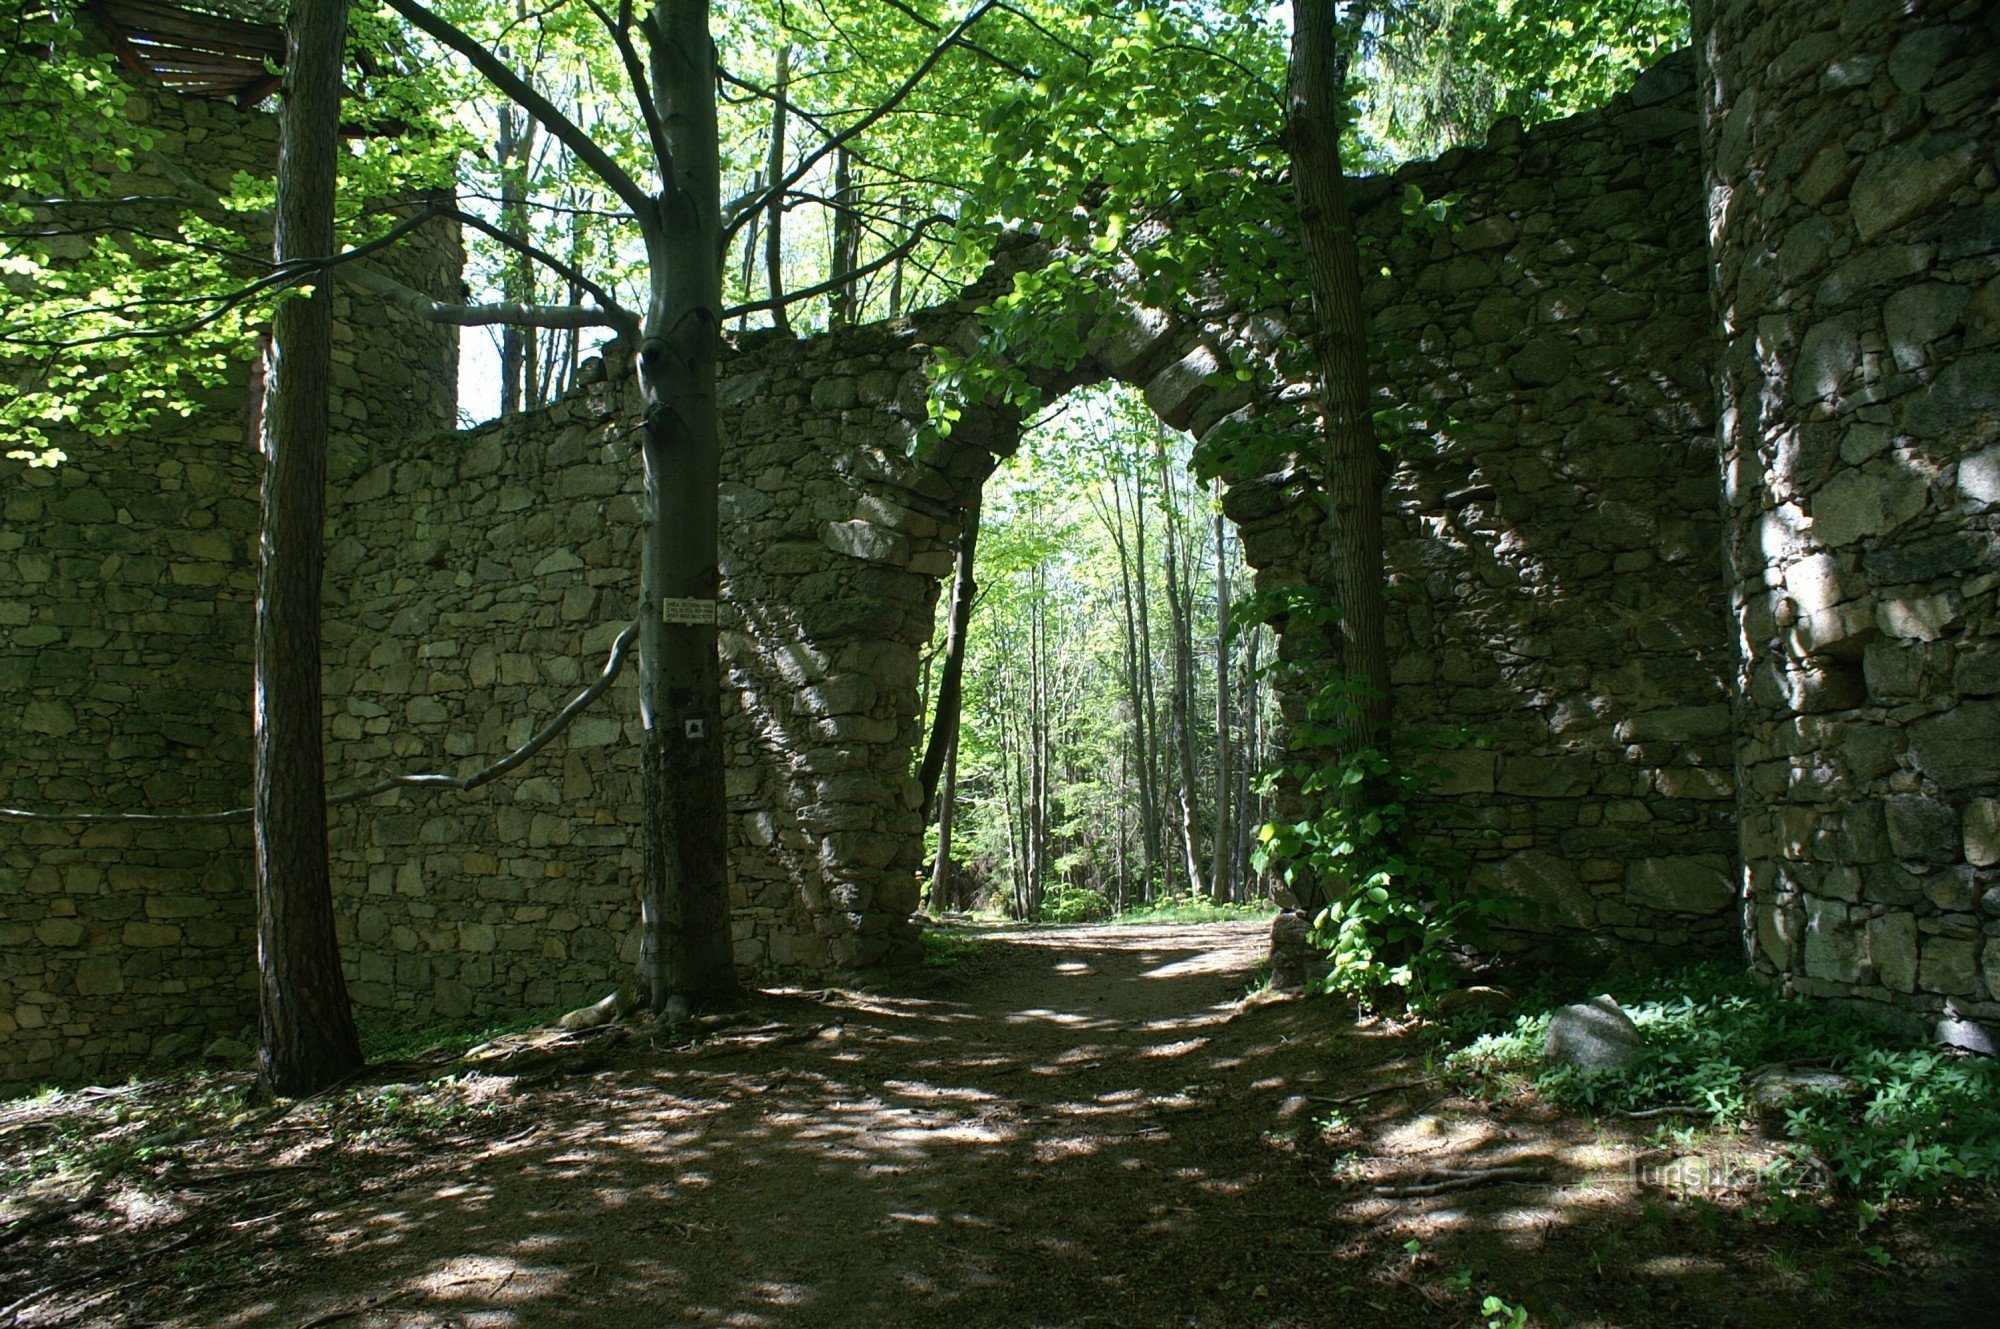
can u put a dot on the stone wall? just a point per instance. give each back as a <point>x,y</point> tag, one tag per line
<point>1557,552</point>
<point>1554,531</point>
<point>484,577</point>
<point>1855,226</point>
<point>125,640</point>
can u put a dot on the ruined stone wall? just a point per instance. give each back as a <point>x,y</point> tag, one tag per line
<point>484,577</point>
<point>125,640</point>
<point>1855,225</point>
<point>1553,548</point>
<point>1556,574</point>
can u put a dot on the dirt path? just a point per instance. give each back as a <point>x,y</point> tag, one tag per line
<point>1077,1127</point>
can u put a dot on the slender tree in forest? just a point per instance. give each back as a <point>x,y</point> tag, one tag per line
<point>306,1035</point>
<point>774,224</point>
<point>1173,539</point>
<point>1221,857</point>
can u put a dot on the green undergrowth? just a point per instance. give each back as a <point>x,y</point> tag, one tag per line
<point>1918,1121</point>
<point>1192,909</point>
<point>947,950</point>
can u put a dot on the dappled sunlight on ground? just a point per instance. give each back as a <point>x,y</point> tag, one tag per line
<point>1084,1127</point>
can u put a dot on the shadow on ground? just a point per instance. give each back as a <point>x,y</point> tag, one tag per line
<point>1078,1127</point>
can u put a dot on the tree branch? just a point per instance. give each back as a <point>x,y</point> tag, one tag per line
<point>843,279</point>
<point>534,103</point>
<point>635,74</point>
<point>621,648</point>
<point>884,107</point>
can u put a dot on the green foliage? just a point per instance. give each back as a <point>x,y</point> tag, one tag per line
<point>1064,903</point>
<point>1192,909</point>
<point>1397,901</point>
<point>1923,1120</point>
<point>1435,74</point>
<point>945,950</point>
<point>1500,1315</point>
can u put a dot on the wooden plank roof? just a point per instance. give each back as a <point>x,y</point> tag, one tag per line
<point>220,49</point>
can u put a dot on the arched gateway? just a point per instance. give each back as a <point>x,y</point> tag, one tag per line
<point>1557,581</point>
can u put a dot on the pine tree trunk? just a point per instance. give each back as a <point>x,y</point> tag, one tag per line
<point>306,1036</point>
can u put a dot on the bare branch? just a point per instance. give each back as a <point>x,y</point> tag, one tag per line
<point>506,313</point>
<point>917,237</point>
<point>620,650</point>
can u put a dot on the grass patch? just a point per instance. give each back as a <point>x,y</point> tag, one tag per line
<point>1192,909</point>
<point>89,1139</point>
<point>945,950</point>
<point>1920,1120</point>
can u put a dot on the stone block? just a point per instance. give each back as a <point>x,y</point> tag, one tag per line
<point>1980,834</point>
<point>1979,477</point>
<point>867,541</point>
<point>1904,181</point>
<point>1688,885</point>
<point>1922,829</point>
<point>1833,945</point>
<point>1468,771</point>
<point>59,933</point>
<point>99,976</point>
<point>1956,748</point>
<point>1950,965</point>
<point>1892,951</point>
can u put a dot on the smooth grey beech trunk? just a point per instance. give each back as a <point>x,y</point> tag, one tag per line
<point>684,897</point>
<point>305,1028</point>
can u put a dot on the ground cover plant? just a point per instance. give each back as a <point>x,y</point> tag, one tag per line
<point>1900,1119</point>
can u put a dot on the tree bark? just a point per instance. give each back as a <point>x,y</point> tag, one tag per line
<point>951,683</point>
<point>1150,738</point>
<point>774,226</point>
<point>1352,461</point>
<point>1181,700</point>
<point>846,242</point>
<point>685,950</point>
<point>306,1036</point>
<point>775,217</point>
<point>942,876</point>
<point>1221,861</point>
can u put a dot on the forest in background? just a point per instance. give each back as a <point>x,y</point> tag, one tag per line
<point>1117,720</point>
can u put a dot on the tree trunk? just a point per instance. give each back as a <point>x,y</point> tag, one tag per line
<point>1157,849</point>
<point>685,944</point>
<point>1135,663</point>
<point>774,227</point>
<point>1221,860</point>
<point>306,1036</point>
<point>841,301</point>
<point>951,686</point>
<point>941,873</point>
<point>1181,700</point>
<point>1353,463</point>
